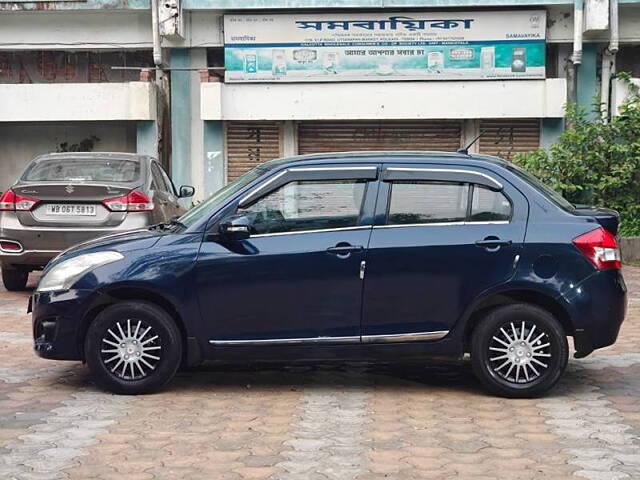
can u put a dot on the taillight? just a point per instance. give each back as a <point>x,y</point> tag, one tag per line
<point>12,201</point>
<point>134,202</point>
<point>600,247</point>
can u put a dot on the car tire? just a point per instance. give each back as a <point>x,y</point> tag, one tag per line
<point>519,351</point>
<point>133,347</point>
<point>15,279</point>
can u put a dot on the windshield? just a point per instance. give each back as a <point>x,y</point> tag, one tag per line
<point>542,188</point>
<point>210,205</point>
<point>83,170</point>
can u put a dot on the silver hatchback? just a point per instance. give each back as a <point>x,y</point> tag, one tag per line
<point>63,199</point>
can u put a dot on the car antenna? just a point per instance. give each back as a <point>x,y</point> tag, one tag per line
<point>465,150</point>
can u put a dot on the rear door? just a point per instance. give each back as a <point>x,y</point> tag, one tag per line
<point>443,235</point>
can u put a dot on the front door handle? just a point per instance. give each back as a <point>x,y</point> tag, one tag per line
<point>493,243</point>
<point>344,248</point>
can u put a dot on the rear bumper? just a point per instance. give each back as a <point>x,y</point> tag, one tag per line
<point>41,244</point>
<point>598,307</point>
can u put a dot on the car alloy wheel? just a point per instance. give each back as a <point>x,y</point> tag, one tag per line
<point>519,352</point>
<point>131,349</point>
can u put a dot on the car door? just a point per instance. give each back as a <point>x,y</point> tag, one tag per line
<point>443,235</point>
<point>296,280</point>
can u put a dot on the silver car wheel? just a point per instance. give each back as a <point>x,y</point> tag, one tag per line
<point>519,352</point>
<point>131,350</point>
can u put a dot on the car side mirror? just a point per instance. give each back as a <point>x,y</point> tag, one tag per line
<point>236,227</point>
<point>186,191</point>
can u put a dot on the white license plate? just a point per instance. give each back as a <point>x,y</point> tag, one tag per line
<point>71,209</point>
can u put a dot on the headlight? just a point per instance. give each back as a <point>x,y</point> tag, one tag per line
<point>63,275</point>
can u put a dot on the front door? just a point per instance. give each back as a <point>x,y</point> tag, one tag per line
<point>297,278</point>
<point>444,235</point>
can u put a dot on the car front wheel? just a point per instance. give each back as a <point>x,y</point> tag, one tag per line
<point>14,279</point>
<point>519,351</point>
<point>133,347</point>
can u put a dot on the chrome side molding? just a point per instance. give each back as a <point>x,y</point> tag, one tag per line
<point>287,341</point>
<point>405,337</point>
<point>354,339</point>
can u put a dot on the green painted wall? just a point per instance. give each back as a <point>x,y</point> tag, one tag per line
<point>587,75</point>
<point>180,117</point>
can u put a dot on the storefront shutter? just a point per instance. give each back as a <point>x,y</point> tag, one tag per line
<point>249,144</point>
<point>507,137</point>
<point>336,136</point>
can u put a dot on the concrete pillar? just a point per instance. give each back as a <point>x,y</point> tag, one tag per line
<point>189,162</point>
<point>147,138</point>
<point>180,117</point>
<point>289,138</point>
<point>214,158</point>
<point>587,76</point>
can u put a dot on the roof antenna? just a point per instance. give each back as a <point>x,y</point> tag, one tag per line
<point>465,150</point>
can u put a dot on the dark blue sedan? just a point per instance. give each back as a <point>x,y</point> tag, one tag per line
<point>387,256</point>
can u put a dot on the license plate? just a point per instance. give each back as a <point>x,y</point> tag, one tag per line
<point>71,209</point>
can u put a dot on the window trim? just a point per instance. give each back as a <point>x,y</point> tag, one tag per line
<point>368,172</point>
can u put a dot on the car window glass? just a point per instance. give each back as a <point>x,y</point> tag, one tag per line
<point>427,202</point>
<point>167,180</point>
<point>83,170</point>
<point>489,206</point>
<point>157,177</point>
<point>308,205</point>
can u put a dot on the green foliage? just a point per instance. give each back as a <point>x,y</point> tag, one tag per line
<point>596,162</point>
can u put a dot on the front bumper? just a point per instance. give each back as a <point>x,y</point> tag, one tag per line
<point>598,307</point>
<point>57,320</point>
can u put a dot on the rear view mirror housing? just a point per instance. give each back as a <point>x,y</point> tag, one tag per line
<point>186,191</point>
<point>236,227</point>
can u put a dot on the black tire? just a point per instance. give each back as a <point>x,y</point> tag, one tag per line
<point>489,343</point>
<point>128,320</point>
<point>15,279</point>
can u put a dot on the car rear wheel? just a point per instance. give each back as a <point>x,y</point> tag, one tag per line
<point>133,347</point>
<point>15,279</point>
<point>519,351</point>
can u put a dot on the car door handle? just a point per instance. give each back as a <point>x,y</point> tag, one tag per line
<point>492,242</point>
<point>345,249</point>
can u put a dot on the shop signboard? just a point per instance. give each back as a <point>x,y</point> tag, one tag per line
<point>342,47</point>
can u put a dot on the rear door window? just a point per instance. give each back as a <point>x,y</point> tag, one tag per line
<point>83,170</point>
<point>426,202</point>
<point>489,206</point>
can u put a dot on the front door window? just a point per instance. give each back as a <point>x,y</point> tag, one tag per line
<point>308,206</point>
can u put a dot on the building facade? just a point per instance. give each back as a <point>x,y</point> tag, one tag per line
<point>215,87</point>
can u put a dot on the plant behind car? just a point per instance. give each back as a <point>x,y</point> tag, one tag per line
<point>596,161</point>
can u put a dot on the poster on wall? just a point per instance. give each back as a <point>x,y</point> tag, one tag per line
<point>373,46</point>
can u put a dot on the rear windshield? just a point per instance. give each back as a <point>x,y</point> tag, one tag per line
<point>547,191</point>
<point>83,170</point>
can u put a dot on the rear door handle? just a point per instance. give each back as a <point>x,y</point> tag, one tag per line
<point>492,242</point>
<point>345,249</point>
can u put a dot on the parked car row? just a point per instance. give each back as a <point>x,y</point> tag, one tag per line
<point>63,199</point>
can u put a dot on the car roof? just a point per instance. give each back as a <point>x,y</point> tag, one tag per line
<point>93,156</point>
<point>388,156</point>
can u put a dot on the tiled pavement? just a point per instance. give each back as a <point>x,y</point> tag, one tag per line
<point>317,423</point>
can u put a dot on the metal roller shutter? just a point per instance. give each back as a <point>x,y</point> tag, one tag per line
<point>336,136</point>
<point>249,144</point>
<point>506,137</point>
